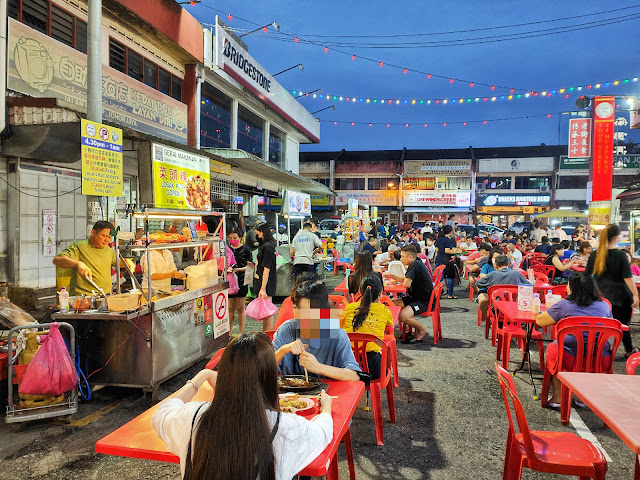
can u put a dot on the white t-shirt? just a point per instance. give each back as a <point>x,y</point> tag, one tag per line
<point>297,443</point>
<point>304,243</point>
<point>471,246</point>
<point>382,257</point>
<point>538,234</point>
<point>560,234</point>
<point>431,251</point>
<point>515,256</point>
<point>161,262</point>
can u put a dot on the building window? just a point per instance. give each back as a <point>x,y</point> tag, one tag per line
<point>383,183</point>
<point>139,68</point>
<point>350,183</point>
<point>215,118</point>
<point>276,145</point>
<point>47,18</point>
<point>455,183</point>
<point>324,181</point>
<point>250,131</point>
<point>619,180</point>
<point>572,181</point>
<point>532,183</point>
<point>496,183</point>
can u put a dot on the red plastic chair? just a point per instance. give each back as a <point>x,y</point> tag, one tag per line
<point>437,274</point>
<point>561,453</point>
<point>338,301</point>
<point>510,330</point>
<point>385,300</point>
<point>598,331</point>
<point>337,263</point>
<point>359,342</point>
<point>548,270</point>
<point>433,312</point>
<point>213,363</point>
<point>270,334</point>
<point>541,277</point>
<point>497,292</point>
<point>559,290</point>
<point>632,363</point>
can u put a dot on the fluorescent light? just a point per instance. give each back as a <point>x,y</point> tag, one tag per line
<point>158,246</point>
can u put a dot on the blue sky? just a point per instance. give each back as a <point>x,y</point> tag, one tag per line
<point>570,58</point>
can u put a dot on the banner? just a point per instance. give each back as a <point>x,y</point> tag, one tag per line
<point>601,170</point>
<point>101,155</point>
<point>296,203</point>
<point>42,67</point>
<point>600,213</point>
<point>368,197</point>
<point>460,198</point>
<point>449,168</point>
<point>579,138</point>
<point>180,179</point>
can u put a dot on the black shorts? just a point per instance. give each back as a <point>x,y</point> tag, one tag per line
<point>417,305</point>
<point>374,359</point>
<point>244,290</point>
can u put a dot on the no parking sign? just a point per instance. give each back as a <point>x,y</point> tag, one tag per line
<point>220,313</point>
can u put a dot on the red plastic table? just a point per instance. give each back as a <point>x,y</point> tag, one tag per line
<point>613,398</point>
<point>390,340</point>
<point>137,439</point>
<point>578,268</point>
<point>343,288</point>
<point>395,288</point>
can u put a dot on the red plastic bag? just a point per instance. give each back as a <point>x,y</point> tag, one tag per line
<point>260,308</point>
<point>51,371</point>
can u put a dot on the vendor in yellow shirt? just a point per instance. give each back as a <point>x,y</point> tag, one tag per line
<point>368,315</point>
<point>89,258</point>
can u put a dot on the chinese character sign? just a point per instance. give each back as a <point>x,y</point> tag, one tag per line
<point>601,171</point>
<point>101,154</point>
<point>180,179</point>
<point>579,138</point>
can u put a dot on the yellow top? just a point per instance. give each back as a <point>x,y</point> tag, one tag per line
<point>375,323</point>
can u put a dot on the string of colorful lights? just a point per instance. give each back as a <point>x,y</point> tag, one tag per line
<point>566,92</point>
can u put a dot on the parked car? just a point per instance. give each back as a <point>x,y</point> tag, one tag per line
<point>327,226</point>
<point>469,230</point>
<point>490,231</point>
<point>518,227</point>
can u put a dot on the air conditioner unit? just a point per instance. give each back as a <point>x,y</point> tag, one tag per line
<point>544,189</point>
<point>441,185</point>
<point>481,187</point>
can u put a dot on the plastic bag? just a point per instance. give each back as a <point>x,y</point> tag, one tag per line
<point>248,275</point>
<point>233,283</point>
<point>261,308</point>
<point>281,261</point>
<point>51,371</point>
<point>202,275</point>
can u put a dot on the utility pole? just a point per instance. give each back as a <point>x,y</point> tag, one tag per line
<point>94,61</point>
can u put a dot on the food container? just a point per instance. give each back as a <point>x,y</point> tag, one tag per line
<point>123,301</point>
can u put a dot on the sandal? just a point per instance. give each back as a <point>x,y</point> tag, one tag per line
<point>452,298</point>
<point>551,404</point>
<point>634,350</point>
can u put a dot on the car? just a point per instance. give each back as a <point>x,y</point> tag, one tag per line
<point>326,227</point>
<point>469,230</point>
<point>519,227</point>
<point>490,231</point>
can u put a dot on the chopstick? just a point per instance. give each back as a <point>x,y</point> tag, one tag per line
<point>307,396</point>
<point>306,376</point>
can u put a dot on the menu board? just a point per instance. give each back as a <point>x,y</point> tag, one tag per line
<point>101,155</point>
<point>296,203</point>
<point>180,179</point>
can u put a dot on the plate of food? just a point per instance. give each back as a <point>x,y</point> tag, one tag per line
<point>297,383</point>
<point>294,404</point>
<point>197,193</point>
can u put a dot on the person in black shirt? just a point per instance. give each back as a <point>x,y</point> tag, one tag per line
<point>446,247</point>
<point>419,286</point>
<point>544,247</point>
<point>243,257</point>
<point>264,281</point>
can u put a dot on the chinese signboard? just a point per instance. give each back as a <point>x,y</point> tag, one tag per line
<point>296,203</point>
<point>461,198</point>
<point>579,138</point>
<point>101,153</point>
<point>180,179</point>
<point>620,162</point>
<point>419,184</point>
<point>600,213</point>
<point>42,67</point>
<point>601,169</point>
<point>449,168</point>
<point>490,200</point>
<point>368,197</point>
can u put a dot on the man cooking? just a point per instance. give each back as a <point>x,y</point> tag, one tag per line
<point>90,258</point>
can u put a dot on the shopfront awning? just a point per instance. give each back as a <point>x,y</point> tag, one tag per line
<point>256,167</point>
<point>436,210</point>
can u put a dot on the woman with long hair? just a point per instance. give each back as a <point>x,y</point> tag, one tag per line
<point>241,434</point>
<point>242,255</point>
<point>553,259</point>
<point>362,267</point>
<point>264,282</point>
<point>583,253</point>
<point>583,300</point>
<point>610,268</point>
<point>368,315</point>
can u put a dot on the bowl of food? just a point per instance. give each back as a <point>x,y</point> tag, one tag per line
<point>297,383</point>
<point>294,404</point>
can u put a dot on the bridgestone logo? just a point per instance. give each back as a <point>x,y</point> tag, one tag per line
<point>245,64</point>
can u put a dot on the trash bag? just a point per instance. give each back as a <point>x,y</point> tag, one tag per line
<point>233,283</point>
<point>260,308</point>
<point>51,371</point>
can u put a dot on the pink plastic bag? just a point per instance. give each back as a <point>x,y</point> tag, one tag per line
<point>233,283</point>
<point>260,308</point>
<point>51,371</point>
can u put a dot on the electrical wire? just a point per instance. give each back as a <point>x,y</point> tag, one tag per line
<point>38,196</point>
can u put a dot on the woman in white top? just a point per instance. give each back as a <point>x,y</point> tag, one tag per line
<point>241,434</point>
<point>163,269</point>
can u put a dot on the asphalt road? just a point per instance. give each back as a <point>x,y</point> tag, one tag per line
<point>451,421</point>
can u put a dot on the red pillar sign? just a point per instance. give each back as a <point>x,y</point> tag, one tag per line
<point>601,168</point>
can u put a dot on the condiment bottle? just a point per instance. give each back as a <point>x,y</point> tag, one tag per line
<point>548,299</point>
<point>536,304</point>
<point>63,295</point>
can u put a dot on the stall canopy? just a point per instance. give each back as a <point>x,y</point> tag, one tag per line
<point>257,167</point>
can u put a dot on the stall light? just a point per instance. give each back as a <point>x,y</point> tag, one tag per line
<point>166,215</point>
<point>158,246</point>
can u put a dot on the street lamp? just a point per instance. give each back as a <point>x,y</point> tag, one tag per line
<point>264,27</point>
<point>322,109</point>
<point>290,68</point>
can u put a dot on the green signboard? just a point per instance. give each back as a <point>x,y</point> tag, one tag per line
<point>620,162</point>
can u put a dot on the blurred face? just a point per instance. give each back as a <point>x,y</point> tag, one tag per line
<point>511,247</point>
<point>234,239</point>
<point>534,243</point>
<point>560,252</point>
<point>468,240</point>
<point>587,250</point>
<point>259,234</point>
<point>406,258</point>
<point>101,238</point>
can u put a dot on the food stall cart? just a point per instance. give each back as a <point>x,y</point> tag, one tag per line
<point>143,346</point>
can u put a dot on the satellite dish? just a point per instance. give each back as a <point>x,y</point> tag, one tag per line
<point>583,102</point>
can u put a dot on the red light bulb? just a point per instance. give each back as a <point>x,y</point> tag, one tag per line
<point>428,75</point>
<point>493,87</point>
<point>451,80</point>
<point>353,57</point>
<point>405,70</point>
<point>264,29</point>
<point>230,17</point>
<point>381,64</point>
<point>296,40</point>
<point>471,84</point>
<point>326,49</point>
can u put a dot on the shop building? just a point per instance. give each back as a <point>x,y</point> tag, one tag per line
<point>155,81</point>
